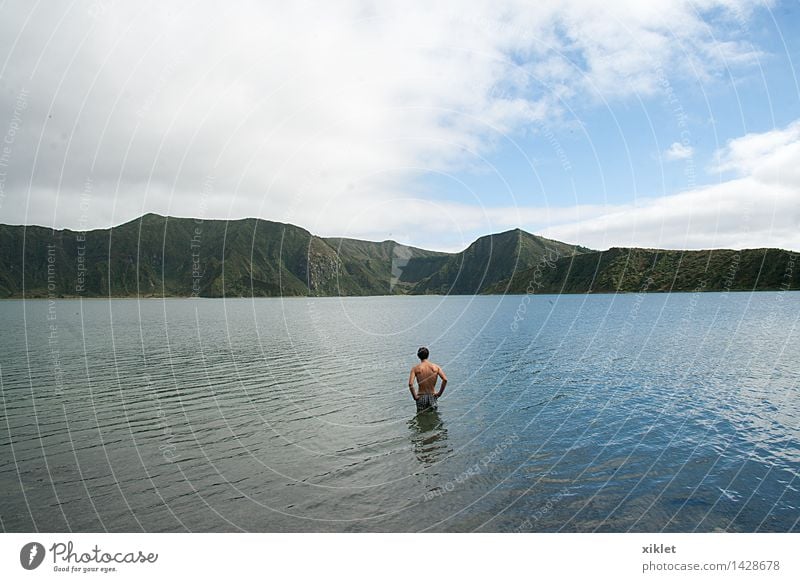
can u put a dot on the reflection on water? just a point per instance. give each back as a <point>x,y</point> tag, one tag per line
<point>675,412</point>
<point>429,437</point>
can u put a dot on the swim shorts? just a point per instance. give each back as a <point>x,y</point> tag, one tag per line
<point>426,402</point>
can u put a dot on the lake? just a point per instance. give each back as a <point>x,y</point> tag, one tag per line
<point>571,413</point>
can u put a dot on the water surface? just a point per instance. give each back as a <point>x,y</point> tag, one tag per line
<point>659,412</point>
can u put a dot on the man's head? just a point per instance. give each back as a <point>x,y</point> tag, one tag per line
<point>423,353</point>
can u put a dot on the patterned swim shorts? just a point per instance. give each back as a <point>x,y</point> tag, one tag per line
<point>426,402</point>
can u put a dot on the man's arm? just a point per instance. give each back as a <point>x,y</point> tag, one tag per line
<point>444,382</point>
<point>411,384</point>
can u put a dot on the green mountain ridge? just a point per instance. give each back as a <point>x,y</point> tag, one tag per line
<point>158,256</point>
<point>163,256</point>
<point>490,260</point>
<point>634,270</point>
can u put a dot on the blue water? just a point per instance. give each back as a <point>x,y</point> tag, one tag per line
<point>658,412</point>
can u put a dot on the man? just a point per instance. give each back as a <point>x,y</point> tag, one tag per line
<point>426,374</point>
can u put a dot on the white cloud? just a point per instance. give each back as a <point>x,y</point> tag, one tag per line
<point>772,156</point>
<point>760,207</point>
<point>679,151</point>
<point>312,113</point>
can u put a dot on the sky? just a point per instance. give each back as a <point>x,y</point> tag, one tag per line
<point>601,123</point>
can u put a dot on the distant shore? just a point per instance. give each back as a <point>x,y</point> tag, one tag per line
<point>570,293</point>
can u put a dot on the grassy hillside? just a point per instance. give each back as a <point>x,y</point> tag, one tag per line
<point>387,267</point>
<point>635,270</point>
<point>490,260</point>
<point>159,256</point>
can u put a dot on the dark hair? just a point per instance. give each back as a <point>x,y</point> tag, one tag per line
<point>423,353</point>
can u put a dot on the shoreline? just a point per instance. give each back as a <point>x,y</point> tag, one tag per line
<point>250,297</point>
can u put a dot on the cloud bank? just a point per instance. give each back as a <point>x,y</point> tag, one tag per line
<point>758,206</point>
<point>325,114</point>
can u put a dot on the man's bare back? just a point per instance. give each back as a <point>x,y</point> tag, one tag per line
<point>426,373</point>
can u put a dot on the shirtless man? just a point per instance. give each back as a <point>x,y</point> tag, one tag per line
<point>426,374</point>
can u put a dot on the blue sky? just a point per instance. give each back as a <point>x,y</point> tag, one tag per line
<point>430,125</point>
<point>616,152</point>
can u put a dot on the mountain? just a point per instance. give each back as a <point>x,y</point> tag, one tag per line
<point>490,260</point>
<point>389,266</point>
<point>637,270</point>
<point>160,256</point>
<point>155,256</point>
